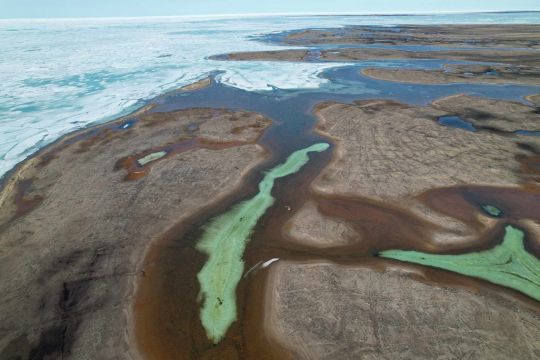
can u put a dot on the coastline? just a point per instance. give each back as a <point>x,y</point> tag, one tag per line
<point>395,177</point>
<point>94,259</point>
<point>8,180</point>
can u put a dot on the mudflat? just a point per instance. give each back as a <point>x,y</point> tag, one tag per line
<point>514,57</point>
<point>489,35</point>
<point>389,139</point>
<point>378,193</point>
<point>322,310</point>
<point>77,218</point>
<point>496,74</point>
<point>495,115</point>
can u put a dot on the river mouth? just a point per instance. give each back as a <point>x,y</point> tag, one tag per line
<point>168,301</point>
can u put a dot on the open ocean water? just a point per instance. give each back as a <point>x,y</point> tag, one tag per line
<point>60,75</point>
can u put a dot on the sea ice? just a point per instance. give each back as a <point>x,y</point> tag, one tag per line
<point>61,75</point>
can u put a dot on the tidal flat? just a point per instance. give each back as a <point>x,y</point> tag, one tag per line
<point>217,222</point>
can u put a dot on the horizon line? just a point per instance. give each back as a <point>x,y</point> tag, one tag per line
<point>237,15</point>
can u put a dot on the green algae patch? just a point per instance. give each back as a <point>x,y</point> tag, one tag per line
<point>492,210</point>
<point>151,157</point>
<point>224,240</point>
<point>507,264</point>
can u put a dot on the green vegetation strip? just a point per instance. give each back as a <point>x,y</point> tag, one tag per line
<point>507,264</point>
<point>224,241</point>
<point>151,157</point>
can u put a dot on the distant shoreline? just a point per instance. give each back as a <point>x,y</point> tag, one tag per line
<point>204,17</point>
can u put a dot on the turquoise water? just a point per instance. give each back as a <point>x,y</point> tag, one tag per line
<point>61,75</point>
<point>224,241</point>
